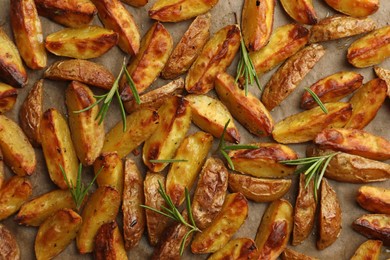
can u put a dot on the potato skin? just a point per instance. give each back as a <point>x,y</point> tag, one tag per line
<point>385,75</point>
<point>301,11</point>
<point>289,254</point>
<point>110,169</point>
<point>2,170</point>
<point>354,8</point>
<point>374,199</point>
<point>9,248</point>
<point>8,97</point>
<point>109,243</point>
<point>374,226</point>
<point>240,249</point>
<point>370,249</point>
<point>136,3</point>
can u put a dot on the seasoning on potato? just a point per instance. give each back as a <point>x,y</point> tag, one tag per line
<point>374,199</point>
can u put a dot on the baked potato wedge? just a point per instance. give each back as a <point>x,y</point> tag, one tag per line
<point>289,254</point>
<point>81,43</point>
<point>216,57</point>
<point>188,48</point>
<point>8,97</point>
<point>109,243</point>
<point>110,169</point>
<point>383,74</point>
<point>305,126</point>
<point>371,249</point>
<point>211,115</point>
<point>232,215</point>
<point>374,199</point>
<point>248,110</point>
<point>9,248</point>
<point>17,151</point>
<point>354,8</point>
<point>276,225</point>
<point>2,170</point>
<point>301,11</point>
<point>56,233</point>
<point>290,74</point>
<point>240,248</point>
<point>136,3</point>
<point>374,226</point>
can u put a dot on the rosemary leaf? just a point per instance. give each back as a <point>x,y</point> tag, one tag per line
<point>132,87</point>
<point>317,100</point>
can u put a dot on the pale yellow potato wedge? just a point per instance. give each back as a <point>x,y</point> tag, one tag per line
<point>301,11</point>
<point>371,249</point>
<point>140,125</point>
<point>9,248</point>
<point>87,132</point>
<point>102,207</point>
<point>306,125</point>
<point>81,43</point>
<point>110,169</point>
<point>136,3</point>
<point>8,97</point>
<point>211,115</point>
<point>56,233</point>
<point>175,120</point>
<point>383,74</point>
<point>263,161</point>
<point>289,254</point>
<point>18,153</point>
<point>287,78</point>
<point>374,199</point>
<point>276,225</point>
<point>232,215</point>
<point>240,248</point>
<point>109,243</point>
<point>216,57</point>
<point>248,110</point>
<point>354,8</point>
<point>374,226</point>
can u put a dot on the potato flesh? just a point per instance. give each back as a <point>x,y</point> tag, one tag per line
<point>110,169</point>
<point>289,254</point>
<point>374,199</point>
<point>109,243</point>
<point>374,226</point>
<point>8,96</point>
<point>240,248</point>
<point>371,249</point>
<point>354,8</point>
<point>301,11</point>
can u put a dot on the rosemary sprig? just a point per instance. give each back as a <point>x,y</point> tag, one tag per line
<point>168,160</point>
<point>173,213</point>
<point>317,100</point>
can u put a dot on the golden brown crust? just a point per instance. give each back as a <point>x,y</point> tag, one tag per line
<point>9,248</point>
<point>383,74</point>
<point>8,97</point>
<point>136,3</point>
<point>289,254</point>
<point>240,249</point>
<point>110,169</point>
<point>355,8</point>
<point>374,226</point>
<point>109,243</point>
<point>301,11</point>
<point>374,199</point>
<point>371,249</point>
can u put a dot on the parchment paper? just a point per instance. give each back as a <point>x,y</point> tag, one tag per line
<point>222,14</point>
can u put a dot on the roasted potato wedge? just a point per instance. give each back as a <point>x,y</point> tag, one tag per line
<point>115,16</point>
<point>188,48</point>
<point>102,207</point>
<point>210,192</point>
<point>355,8</point>
<point>2,170</point>
<point>109,243</point>
<point>216,56</point>
<point>211,115</point>
<point>285,41</point>
<point>240,248</point>
<point>81,43</point>
<point>136,3</point>
<point>374,199</point>
<point>110,169</point>
<point>58,148</point>
<point>383,74</point>
<point>175,120</point>
<point>140,125</point>
<point>248,110</point>
<point>232,215</point>
<point>71,13</point>
<point>306,125</point>
<point>30,114</point>
<point>8,96</point>
<point>56,233</point>
<point>374,226</point>
<point>13,194</point>
<point>18,153</point>
<point>84,71</point>
<point>289,254</point>
<point>194,149</point>
<point>87,132</point>
<point>258,190</point>
<point>337,27</point>
<point>301,11</point>
<point>276,225</point>
<point>9,248</point>
<point>263,161</point>
<point>332,88</point>
<point>371,49</point>
<point>290,74</point>
<point>370,249</point>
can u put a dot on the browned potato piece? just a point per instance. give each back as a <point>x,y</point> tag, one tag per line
<point>211,115</point>
<point>110,169</point>
<point>87,132</point>
<point>248,110</point>
<point>109,243</point>
<point>371,249</point>
<point>102,207</point>
<point>329,217</point>
<point>115,16</point>
<point>56,233</point>
<point>290,74</point>
<point>188,48</point>
<point>257,22</point>
<point>366,102</point>
<point>140,125</point>
<point>383,74</point>
<point>232,215</point>
<point>306,125</point>
<point>30,113</point>
<point>374,199</point>
<point>37,210</point>
<point>332,88</point>
<point>18,153</point>
<point>371,49</point>
<point>274,229</point>
<point>263,161</point>
<point>11,67</point>
<point>136,3</point>
<point>9,248</point>
<point>355,8</point>
<point>175,120</point>
<point>175,11</point>
<point>283,43</point>
<point>216,57</point>
<point>210,192</point>
<point>289,254</point>
<point>133,197</point>
<point>144,68</point>
<point>81,43</point>
<point>84,71</point>
<point>13,194</point>
<point>336,27</point>
<point>301,11</point>
<point>240,248</point>
<point>28,35</point>
<point>256,189</point>
<point>71,13</point>
<point>374,226</point>
<point>2,170</point>
<point>304,211</point>
<point>8,96</point>
<point>58,148</point>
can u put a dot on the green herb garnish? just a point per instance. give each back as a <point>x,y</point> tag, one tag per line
<point>168,160</point>
<point>317,100</point>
